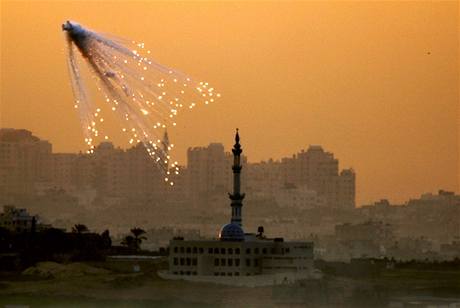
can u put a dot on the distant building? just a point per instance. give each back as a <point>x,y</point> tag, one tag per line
<point>368,239</point>
<point>24,160</point>
<point>208,174</point>
<point>298,197</point>
<point>237,253</point>
<point>314,169</point>
<point>17,220</point>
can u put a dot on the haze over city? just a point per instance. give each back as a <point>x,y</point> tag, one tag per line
<point>375,83</point>
<point>229,154</point>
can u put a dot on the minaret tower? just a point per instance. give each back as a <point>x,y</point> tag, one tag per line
<point>165,147</point>
<point>237,197</point>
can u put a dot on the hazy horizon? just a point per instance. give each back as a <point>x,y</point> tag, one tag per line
<point>377,84</point>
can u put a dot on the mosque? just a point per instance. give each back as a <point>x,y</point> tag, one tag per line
<point>237,253</point>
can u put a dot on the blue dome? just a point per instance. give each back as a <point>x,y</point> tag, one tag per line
<point>231,232</point>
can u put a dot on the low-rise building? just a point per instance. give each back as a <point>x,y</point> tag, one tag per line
<point>17,220</point>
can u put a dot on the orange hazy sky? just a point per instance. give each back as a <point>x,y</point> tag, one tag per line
<point>376,83</point>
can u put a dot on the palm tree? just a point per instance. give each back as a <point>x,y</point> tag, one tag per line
<point>138,237</point>
<point>80,228</point>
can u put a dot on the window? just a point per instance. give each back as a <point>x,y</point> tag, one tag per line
<point>248,251</point>
<point>230,251</point>
<point>222,251</point>
<point>272,251</point>
<point>182,249</point>
<point>194,261</point>
<point>237,273</point>
<point>237,262</point>
<point>216,274</point>
<point>182,261</point>
<point>189,261</point>
<point>237,251</point>
<point>256,251</point>
<point>256,262</point>
<point>287,249</point>
<point>216,262</point>
<point>189,250</point>
<point>264,251</point>
<point>176,261</point>
<point>195,250</point>
<point>229,274</point>
<point>201,250</point>
<point>222,262</point>
<point>222,274</point>
<point>209,250</point>
<point>248,262</point>
<point>230,262</point>
<point>176,250</point>
<point>216,250</point>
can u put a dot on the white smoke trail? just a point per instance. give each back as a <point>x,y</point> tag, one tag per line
<point>145,95</point>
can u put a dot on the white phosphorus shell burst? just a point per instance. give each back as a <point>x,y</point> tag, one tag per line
<point>144,95</point>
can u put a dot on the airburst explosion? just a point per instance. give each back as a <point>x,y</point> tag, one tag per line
<point>144,95</point>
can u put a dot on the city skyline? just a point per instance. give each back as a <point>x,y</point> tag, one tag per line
<point>257,169</point>
<point>229,153</point>
<point>377,83</point>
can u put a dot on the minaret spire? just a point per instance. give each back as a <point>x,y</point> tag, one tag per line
<point>237,197</point>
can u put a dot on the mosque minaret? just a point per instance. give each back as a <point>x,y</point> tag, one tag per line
<point>237,254</point>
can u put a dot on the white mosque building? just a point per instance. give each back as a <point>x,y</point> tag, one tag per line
<point>237,257</point>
